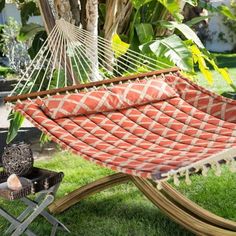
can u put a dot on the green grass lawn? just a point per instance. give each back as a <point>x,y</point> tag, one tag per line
<point>123,210</point>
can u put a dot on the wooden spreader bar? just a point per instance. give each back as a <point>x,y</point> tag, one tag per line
<point>88,85</point>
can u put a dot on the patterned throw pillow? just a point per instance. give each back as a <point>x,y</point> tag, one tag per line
<point>113,98</point>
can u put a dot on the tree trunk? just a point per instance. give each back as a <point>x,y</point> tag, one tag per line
<point>92,46</point>
<point>82,13</point>
<point>75,10</point>
<point>118,13</point>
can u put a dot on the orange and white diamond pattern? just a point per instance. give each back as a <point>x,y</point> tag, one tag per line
<point>146,136</point>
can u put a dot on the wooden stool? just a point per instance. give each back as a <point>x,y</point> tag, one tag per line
<point>43,182</point>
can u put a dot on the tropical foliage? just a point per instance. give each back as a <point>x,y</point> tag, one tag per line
<point>156,28</point>
<point>13,49</point>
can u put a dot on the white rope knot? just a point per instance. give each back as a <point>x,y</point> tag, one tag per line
<point>205,171</point>
<point>187,178</point>
<point>232,167</point>
<point>217,169</point>
<point>176,180</point>
<point>159,185</point>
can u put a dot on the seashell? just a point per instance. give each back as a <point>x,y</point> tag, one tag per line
<point>14,183</point>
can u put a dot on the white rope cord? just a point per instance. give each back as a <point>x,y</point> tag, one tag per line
<point>134,54</point>
<point>77,56</point>
<point>107,47</point>
<point>78,70</point>
<point>70,38</point>
<point>66,54</point>
<point>82,51</point>
<point>100,58</point>
<point>99,50</point>
<point>42,64</point>
<point>50,60</point>
<point>55,60</point>
<point>90,65</point>
<point>59,65</point>
<point>26,76</point>
<point>65,61</point>
<point>102,49</point>
<point>131,57</point>
<point>71,56</point>
<point>71,65</point>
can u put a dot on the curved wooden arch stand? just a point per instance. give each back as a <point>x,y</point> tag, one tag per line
<point>170,201</point>
<point>195,209</point>
<point>183,214</point>
<point>85,191</point>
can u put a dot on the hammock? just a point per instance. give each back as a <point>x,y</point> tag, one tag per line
<point>150,126</point>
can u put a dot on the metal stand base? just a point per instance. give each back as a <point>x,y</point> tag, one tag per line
<point>34,208</point>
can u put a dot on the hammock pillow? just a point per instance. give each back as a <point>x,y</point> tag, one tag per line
<point>114,98</point>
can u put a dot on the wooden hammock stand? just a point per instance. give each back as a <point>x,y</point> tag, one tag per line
<point>171,202</point>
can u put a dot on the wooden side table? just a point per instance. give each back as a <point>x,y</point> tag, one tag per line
<point>43,184</point>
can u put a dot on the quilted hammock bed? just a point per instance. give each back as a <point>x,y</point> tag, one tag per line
<point>156,128</point>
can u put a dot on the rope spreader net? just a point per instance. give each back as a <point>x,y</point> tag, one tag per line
<point>71,56</point>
